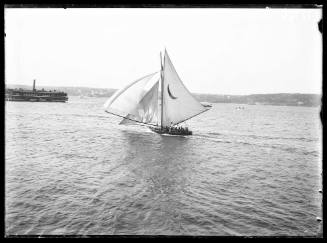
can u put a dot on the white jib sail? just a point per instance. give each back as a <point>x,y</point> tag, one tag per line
<point>147,109</point>
<point>178,103</point>
<point>124,101</point>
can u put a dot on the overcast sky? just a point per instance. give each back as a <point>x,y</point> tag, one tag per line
<point>222,51</point>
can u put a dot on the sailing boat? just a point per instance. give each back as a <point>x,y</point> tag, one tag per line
<point>138,102</point>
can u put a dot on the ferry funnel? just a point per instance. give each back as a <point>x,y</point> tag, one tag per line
<point>34,85</point>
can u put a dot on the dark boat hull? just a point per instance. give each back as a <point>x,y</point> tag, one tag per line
<point>173,132</point>
<point>37,100</point>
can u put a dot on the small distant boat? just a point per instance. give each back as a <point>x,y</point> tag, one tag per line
<point>206,104</point>
<point>138,102</point>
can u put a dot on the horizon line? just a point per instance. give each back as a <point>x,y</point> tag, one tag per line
<point>295,92</point>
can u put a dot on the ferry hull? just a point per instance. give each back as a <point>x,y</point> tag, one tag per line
<point>36,100</point>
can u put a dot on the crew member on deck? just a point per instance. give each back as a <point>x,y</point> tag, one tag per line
<point>171,127</point>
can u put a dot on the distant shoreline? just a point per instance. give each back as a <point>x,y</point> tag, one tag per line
<point>277,99</point>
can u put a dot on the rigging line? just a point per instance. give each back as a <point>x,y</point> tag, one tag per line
<point>132,119</point>
<point>191,117</point>
<point>162,63</point>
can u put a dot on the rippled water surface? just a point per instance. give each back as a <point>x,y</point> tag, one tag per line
<point>70,169</point>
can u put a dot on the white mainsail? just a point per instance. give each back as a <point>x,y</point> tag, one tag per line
<point>146,110</point>
<point>125,102</point>
<point>178,103</point>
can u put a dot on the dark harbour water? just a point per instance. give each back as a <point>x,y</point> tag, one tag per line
<point>70,169</point>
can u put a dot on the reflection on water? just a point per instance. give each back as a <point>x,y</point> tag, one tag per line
<point>160,165</point>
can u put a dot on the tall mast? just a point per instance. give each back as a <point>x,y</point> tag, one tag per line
<point>162,89</point>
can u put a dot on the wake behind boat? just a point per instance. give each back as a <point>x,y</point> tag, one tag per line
<point>138,102</point>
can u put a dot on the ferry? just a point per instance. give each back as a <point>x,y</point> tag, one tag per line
<point>35,95</point>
